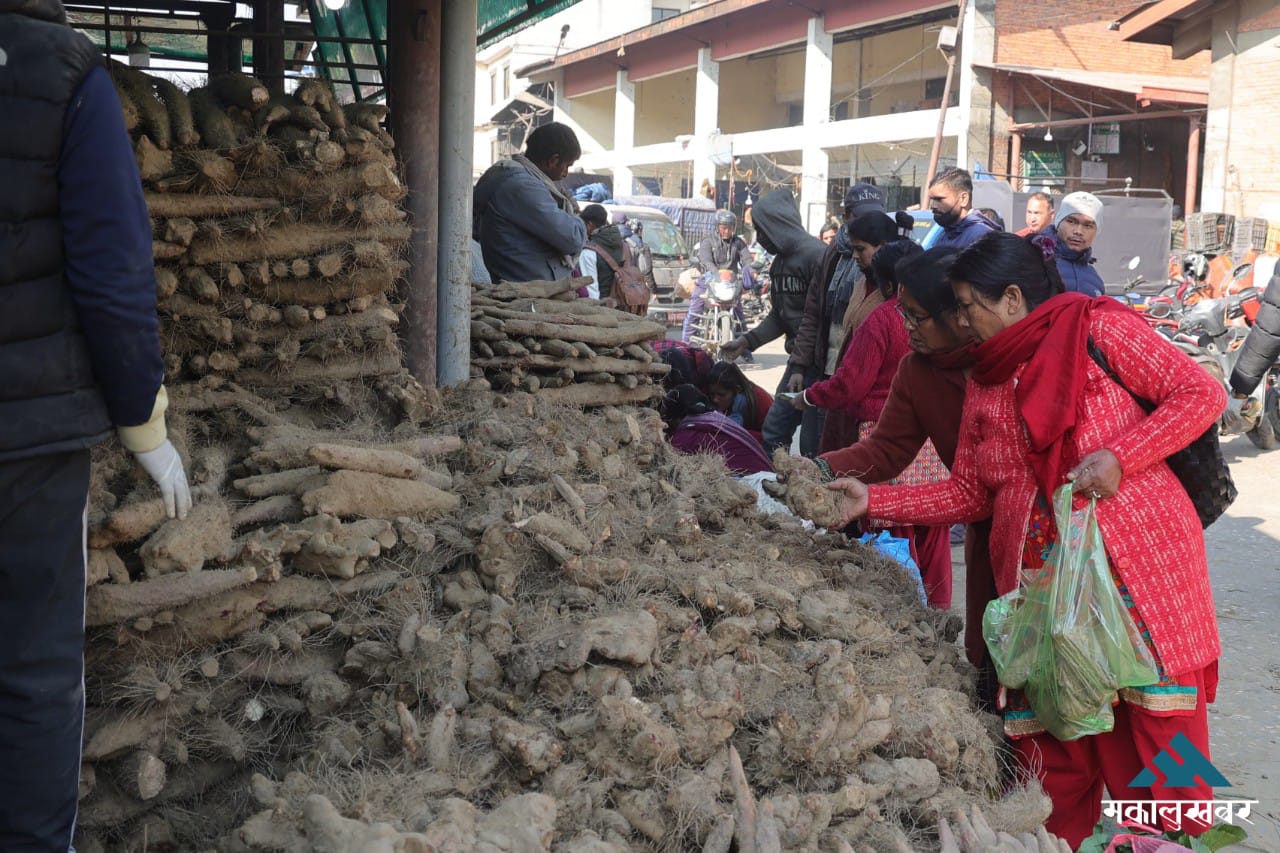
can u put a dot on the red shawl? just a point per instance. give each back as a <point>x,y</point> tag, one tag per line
<point>1053,343</point>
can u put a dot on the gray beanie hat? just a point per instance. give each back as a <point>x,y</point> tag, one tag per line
<point>1085,204</point>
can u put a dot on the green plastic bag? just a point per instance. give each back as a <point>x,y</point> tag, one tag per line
<point>1064,636</point>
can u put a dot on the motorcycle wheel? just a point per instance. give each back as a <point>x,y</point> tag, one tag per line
<point>1266,435</point>
<point>724,328</point>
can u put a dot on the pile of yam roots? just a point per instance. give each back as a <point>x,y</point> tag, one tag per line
<point>407,620</point>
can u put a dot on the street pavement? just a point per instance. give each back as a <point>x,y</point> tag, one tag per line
<point>1244,564</point>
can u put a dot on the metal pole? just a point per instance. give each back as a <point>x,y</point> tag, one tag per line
<point>1015,161</point>
<point>413,30</point>
<point>942,112</point>
<point>1193,167</point>
<point>457,135</point>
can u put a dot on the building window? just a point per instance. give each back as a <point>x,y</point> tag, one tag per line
<point>795,115</point>
<point>493,86</point>
<point>933,88</point>
<point>661,14</point>
<point>506,82</point>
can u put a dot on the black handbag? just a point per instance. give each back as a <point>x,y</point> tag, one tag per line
<point>1200,466</point>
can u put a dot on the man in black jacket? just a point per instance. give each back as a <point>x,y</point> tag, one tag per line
<point>1259,353</point>
<point>797,255</point>
<point>80,354</point>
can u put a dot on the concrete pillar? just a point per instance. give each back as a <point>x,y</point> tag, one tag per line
<point>457,131</point>
<point>1214,195</point>
<point>817,110</point>
<point>624,132</point>
<point>978,45</point>
<point>706,118</point>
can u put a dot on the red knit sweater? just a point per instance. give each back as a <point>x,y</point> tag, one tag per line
<point>861,383</point>
<point>924,403</point>
<point>1150,528</point>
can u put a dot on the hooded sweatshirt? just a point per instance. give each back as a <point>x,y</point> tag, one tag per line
<point>965,232</point>
<point>1076,268</point>
<point>797,256</point>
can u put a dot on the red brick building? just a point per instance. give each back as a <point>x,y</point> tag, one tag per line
<point>1073,106</point>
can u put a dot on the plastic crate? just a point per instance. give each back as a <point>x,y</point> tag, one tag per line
<point>1273,238</point>
<point>1209,232</point>
<point>1248,233</point>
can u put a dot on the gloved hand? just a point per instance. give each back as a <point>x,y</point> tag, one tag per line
<point>165,467</point>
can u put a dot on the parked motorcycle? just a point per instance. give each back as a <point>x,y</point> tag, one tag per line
<point>1208,331</point>
<point>755,299</point>
<point>721,319</point>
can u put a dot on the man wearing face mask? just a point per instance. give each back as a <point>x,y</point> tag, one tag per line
<point>951,201</point>
<point>527,225</point>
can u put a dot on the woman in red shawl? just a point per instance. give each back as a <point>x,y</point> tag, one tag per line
<point>1040,412</point>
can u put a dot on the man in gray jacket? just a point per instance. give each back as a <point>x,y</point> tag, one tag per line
<point>528,227</point>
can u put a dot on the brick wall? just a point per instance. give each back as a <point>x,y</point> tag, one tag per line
<point>1074,34</point>
<point>1252,180</point>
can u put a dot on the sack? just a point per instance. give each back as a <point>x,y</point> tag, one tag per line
<point>629,286</point>
<point>1065,637</point>
<point>1200,466</point>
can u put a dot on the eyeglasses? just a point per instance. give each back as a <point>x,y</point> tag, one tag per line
<point>911,321</point>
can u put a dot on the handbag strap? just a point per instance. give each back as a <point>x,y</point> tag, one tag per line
<point>1100,359</point>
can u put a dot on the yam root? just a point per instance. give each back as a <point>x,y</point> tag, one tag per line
<point>581,394</point>
<point>330,291</point>
<point>214,126</point>
<point>389,463</point>
<point>161,205</point>
<point>291,241</point>
<point>181,122</point>
<point>108,604</point>
<point>360,494</point>
<point>807,495</point>
<point>153,163</point>
<point>240,90</point>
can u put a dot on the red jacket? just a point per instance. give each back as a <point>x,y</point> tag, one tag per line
<point>861,383</point>
<point>1150,527</point>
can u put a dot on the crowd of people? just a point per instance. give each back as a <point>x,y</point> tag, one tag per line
<point>964,385</point>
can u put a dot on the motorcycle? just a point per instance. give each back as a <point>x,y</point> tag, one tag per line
<point>721,319</point>
<point>755,300</point>
<point>1210,333</point>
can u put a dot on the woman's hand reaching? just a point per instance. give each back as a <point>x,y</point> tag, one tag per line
<point>853,498</point>
<point>1097,476</point>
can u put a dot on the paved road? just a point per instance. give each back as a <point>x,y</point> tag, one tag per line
<point>1244,561</point>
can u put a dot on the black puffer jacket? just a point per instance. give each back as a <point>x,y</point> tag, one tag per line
<point>797,256</point>
<point>1262,346</point>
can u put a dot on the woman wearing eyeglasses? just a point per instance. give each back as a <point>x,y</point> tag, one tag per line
<point>859,389</point>
<point>1040,412</point>
<point>924,404</point>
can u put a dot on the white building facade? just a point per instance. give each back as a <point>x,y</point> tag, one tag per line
<point>762,93</point>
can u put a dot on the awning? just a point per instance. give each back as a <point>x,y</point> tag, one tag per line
<point>500,18</point>
<point>534,98</point>
<point>1184,25</point>
<point>1184,91</point>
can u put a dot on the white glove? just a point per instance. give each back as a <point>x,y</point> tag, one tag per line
<point>165,467</point>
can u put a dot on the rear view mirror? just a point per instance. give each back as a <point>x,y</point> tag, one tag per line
<point>1241,271</point>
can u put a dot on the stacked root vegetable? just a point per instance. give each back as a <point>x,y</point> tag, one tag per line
<point>411,621</point>
<point>277,229</point>
<point>537,336</point>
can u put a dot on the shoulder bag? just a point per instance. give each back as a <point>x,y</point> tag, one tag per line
<point>1200,466</point>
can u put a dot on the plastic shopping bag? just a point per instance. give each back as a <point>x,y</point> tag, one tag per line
<point>1065,637</point>
<point>898,549</point>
